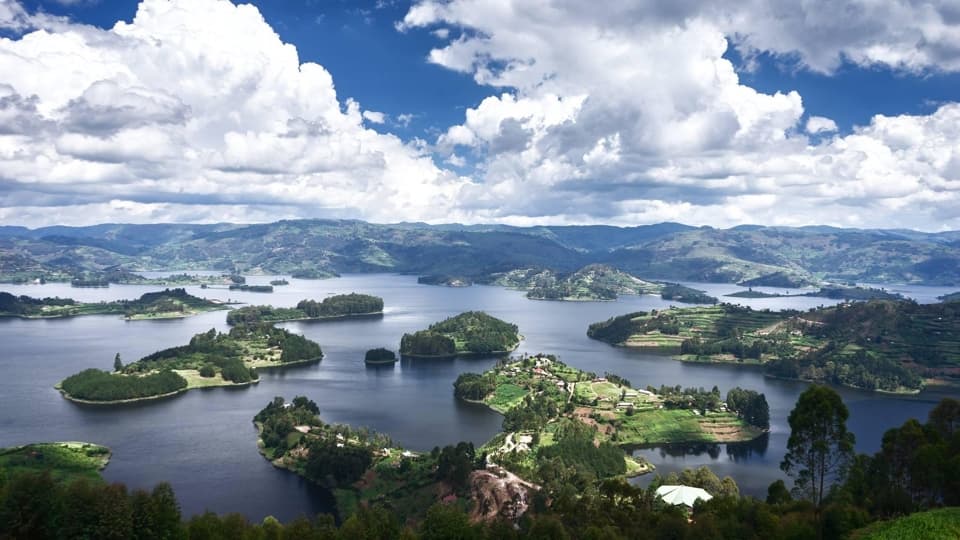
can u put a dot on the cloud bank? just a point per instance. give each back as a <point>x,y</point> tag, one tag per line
<point>622,112</point>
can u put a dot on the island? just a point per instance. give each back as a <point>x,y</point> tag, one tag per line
<point>64,461</point>
<point>835,292</point>
<point>279,282</point>
<point>469,333</point>
<point>313,273</point>
<point>342,306</point>
<point>365,468</point>
<point>251,288</point>
<point>595,282</point>
<point>445,280</point>
<point>380,356</point>
<point>166,304</point>
<point>882,345</point>
<point>750,293</point>
<point>686,295</point>
<point>210,359</point>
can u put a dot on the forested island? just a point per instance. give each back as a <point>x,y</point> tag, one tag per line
<point>166,304</point>
<point>595,282</point>
<point>210,359</point>
<point>883,345</point>
<point>469,333</point>
<point>380,356</point>
<point>445,280</point>
<point>340,306</point>
<point>251,288</point>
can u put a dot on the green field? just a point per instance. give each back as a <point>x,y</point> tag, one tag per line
<point>941,524</point>
<point>505,397</point>
<point>66,461</point>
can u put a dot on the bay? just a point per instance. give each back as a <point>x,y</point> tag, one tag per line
<point>204,443</point>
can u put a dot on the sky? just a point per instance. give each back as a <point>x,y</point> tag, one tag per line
<point>524,112</point>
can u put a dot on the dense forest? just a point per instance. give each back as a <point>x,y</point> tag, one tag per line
<point>471,332</point>
<point>379,355</point>
<point>343,305</point>
<point>97,385</point>
<point>916,471</point>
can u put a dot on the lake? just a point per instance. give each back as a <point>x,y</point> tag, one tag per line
<point>204,443</point>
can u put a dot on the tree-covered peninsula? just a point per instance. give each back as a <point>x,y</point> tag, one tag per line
<point>878,345</point>
<point>166,304</point>
<point>341,306</point>
<point>210,359</point>
<point>365,468</point>
<point>469,333</point>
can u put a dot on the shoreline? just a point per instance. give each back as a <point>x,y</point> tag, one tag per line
<point>175,393</point>
<point>371,315</point>
<point>679,358</point>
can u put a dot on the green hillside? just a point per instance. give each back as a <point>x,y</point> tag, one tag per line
<point>877,345</point>
<point>754,256</point>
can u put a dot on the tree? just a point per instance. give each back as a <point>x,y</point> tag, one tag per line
<point>819,448</point>
<point>117,363</point>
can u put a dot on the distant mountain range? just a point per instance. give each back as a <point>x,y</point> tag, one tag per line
<point>777,256</point>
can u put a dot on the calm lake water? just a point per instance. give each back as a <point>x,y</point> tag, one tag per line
<point>204,442</point>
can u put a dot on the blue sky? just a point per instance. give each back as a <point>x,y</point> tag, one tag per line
<point>358,42</point>
<point>523,112</point>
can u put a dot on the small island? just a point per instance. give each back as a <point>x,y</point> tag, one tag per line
<point>686,295</point>
<point>210,359</point>
<point>592,283</point>
<point>313,273</point>
<point>342,306</point>
<point>469,333</point>
<point>251,288</point>
<point>65,461</point>
<point>445,280</point>
<point>279,282</point>
<point>166,304</point>
<point>882,345</point>
<point>379,356</point>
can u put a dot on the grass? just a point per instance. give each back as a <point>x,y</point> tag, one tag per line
<point>505,397</point>
<point>66,461</point>
<point>941,524</point>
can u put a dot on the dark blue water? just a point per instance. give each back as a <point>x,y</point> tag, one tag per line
<point>204,443</point>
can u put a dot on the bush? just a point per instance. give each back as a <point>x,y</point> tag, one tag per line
<point>208,371</point>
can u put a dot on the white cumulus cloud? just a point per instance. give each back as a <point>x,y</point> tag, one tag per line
<point>194,102</point>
